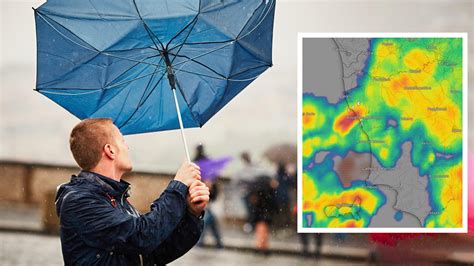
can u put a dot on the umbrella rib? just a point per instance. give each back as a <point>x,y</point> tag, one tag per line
<point>199,63</point>
<point>248,20</point>
<point>125,100</point>
<point>183,29</point>
<point>222,77</point>
<point>124,103</point>
<point>137,78</point>
<point>148,30</point>
<point>68,89</point>
<point>216,42</point>
<point>187,103</point>
<point>189,33</point>
<point>194,21</point>
<point>258,24</point>
<point>108,86</point>
<point>68,94</point>
<point>247,69</point>
<point>76,66</point>
<point>199,74</point>
<point>203,54</point>
<point>228,79</point>
<point>148,84</point>
<point>70,60</point>
<point>128,59</point>
<point>43,16</point>
<point>142,101</point>
<point>133,49</point>
<point>144,91</point>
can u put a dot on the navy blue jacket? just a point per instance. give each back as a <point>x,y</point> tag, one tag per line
<point>99,226</point>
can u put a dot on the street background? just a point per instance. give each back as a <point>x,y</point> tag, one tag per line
<point>34,134</point>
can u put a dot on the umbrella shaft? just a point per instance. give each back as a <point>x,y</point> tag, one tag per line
<point>171,78</point>
<point>173,88</point>
<point>169,70</point>
<point>181,125</point>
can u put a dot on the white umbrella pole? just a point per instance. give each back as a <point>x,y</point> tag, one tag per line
<point>181,126</point>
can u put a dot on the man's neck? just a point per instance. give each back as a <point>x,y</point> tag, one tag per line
<point>108,171</point>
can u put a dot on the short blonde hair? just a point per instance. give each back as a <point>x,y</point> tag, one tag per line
<point>87,140</point>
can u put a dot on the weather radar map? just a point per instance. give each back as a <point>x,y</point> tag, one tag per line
<point>381,134</point>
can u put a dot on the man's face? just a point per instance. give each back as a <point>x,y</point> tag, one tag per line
<point>123,162</point>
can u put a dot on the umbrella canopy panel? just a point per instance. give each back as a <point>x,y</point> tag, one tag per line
<point>107,58</point>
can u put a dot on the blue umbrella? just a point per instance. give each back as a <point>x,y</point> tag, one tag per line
<point>151,65</point>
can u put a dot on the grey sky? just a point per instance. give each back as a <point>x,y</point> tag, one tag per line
<point>32,128</point>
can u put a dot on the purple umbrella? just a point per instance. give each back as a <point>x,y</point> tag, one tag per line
<point>211,168</point>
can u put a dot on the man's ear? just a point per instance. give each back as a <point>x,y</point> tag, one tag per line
<point>109,151</point>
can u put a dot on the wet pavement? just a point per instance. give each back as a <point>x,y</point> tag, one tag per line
<point>212,257</point>
<point>31,249</point>
<point>24,219</point>
<point>22,242</point>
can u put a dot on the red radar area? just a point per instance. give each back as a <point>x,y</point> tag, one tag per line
<point>348,119</point>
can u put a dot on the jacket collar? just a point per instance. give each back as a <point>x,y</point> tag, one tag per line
<point>106,184</point>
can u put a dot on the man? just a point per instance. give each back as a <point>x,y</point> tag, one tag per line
<point>98,224</point>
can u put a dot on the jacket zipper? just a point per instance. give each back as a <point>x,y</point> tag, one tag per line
<point>123,195</point>
<point>132,209</point>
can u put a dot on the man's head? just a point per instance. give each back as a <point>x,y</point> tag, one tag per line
<point>98,142</point>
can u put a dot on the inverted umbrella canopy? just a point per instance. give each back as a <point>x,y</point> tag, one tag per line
<point>121,58</point>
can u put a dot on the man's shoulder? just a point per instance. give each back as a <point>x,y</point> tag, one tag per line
<point>74,194</point>
<point>79,201</point>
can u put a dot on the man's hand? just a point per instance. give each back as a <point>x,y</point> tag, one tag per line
<point>198,197</point>
<point>187,173</point>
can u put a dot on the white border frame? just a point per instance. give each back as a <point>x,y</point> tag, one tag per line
<point>463,229</point>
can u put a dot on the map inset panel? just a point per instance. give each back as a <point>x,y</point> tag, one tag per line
<point>382,134</point>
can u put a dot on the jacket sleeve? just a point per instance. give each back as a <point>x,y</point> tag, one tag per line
<point>101,225</point>
<point>183,238</point>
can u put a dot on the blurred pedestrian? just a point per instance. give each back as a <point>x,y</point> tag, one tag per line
<point>286,178</point>
<point>305,238</point>
<point>245,178</point>
<point>200,153</point>
<point>318,241</point>
<point>264,207</point>
<point>210,221</point>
